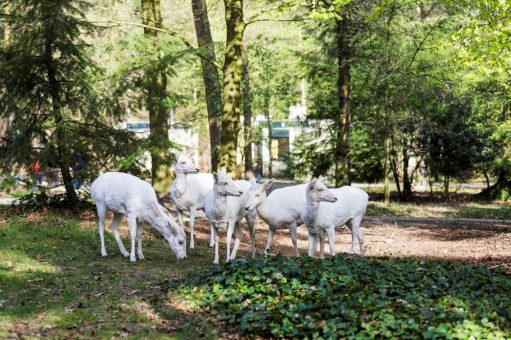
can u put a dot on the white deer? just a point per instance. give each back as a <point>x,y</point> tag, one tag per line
<point>189,190</point>
<point>281,209</point>
<point>225,207</point>
<point>128,195</point>
<point>326,209</point>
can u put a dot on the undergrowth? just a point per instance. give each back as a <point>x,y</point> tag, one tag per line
<point>38,201</point>
<point>346,297</point>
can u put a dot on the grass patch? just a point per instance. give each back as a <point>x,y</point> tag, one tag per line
<point>54,282</point>
<point>346,297</point>
<point>458,210</point>
<point>8,187</point>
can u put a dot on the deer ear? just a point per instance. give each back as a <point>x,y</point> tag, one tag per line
<point>252,181</point>
<point>322,179</point>
<point>192,154</point>
<point>223,171</point>
<point>312,183</point>
<point>175,157</point>
<point>268,184</point>
<point>215,177</point>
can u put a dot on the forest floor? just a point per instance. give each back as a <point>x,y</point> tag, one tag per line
<point>54,282</point>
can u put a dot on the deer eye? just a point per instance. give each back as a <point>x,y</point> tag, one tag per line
<point>180,242</point>
<point>320,189</point>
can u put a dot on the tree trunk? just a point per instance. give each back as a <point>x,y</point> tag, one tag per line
<point>446,187</point>
<point>386,166</point>
<point>500,190</point>
<point>210,75</point>
<point>4,122</point>
<point>63,153</point>
<point>395,173</point>
<point>232,84</point>
<point>487,179</point>
<point>161,174</point>
<point>342,148</point>
<point>247,113</point>
<point>407,184</point>
<point>270,136</point>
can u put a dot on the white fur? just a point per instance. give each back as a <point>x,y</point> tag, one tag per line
<point>189,190</point>
<point>128,195</point>
<point>321,215</point>
<point>281,209</point>
<point>225,207</point>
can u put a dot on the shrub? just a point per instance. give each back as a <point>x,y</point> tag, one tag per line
<point>38,201</point>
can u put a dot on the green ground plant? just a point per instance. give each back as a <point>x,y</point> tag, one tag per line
<point>54,283</point>
<point>493,210</point>
<point>352,297</point>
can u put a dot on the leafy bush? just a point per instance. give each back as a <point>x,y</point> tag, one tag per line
<point>40,201</point>
<point>347,296</point>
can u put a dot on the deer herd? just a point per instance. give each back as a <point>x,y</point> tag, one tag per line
<point>225,203</point>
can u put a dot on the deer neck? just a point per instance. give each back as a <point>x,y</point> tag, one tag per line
<point>179,184</point>
<point>311,214</point>
<point>220,205</point>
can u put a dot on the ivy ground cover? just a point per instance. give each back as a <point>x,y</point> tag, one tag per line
<point>353,297</point>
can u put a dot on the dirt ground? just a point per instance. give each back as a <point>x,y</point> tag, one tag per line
<point>450,240</point>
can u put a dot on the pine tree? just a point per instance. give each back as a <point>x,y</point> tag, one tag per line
<point>48,89</point>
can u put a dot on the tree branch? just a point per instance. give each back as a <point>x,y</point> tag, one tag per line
<point>167,31</point>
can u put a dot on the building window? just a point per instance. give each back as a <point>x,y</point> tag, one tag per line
<point>280,148</point>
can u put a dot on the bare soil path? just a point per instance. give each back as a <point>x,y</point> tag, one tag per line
<point>450,239</point>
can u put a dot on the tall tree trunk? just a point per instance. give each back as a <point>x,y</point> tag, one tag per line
<point>386,172</point>
<point>407,183</point>
<point>395,173</point>
<point>270,136</point>
<point>161,174</point>
<point>4,122</point>
<point>446,187</point>
<point>210,75</point>
<point>487,178</point>
<point>232,84</point>
<point>342,147</point>
<point>63,153</point>
<point>247,113</point>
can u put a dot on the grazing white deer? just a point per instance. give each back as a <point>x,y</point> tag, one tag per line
<point>225,207</point>
<point>281,209</point>
<point>189,190</point>
<point>326,209</point>
<point>128,195</point>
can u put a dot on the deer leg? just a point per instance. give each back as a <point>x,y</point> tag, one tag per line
<point>115,230</point>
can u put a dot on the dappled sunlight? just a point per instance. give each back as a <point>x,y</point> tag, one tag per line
<point>15,262</point>
<point>346,295</point>
<point>61,286</point>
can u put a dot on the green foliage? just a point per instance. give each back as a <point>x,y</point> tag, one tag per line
<point>367,154</point>
<point>40,201</point>
<point>274,78</point>
<point>347,296</point>
<point>450,138</point>
<point>142,56</point>
<point>51,117</point>
<point>310,156</point>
